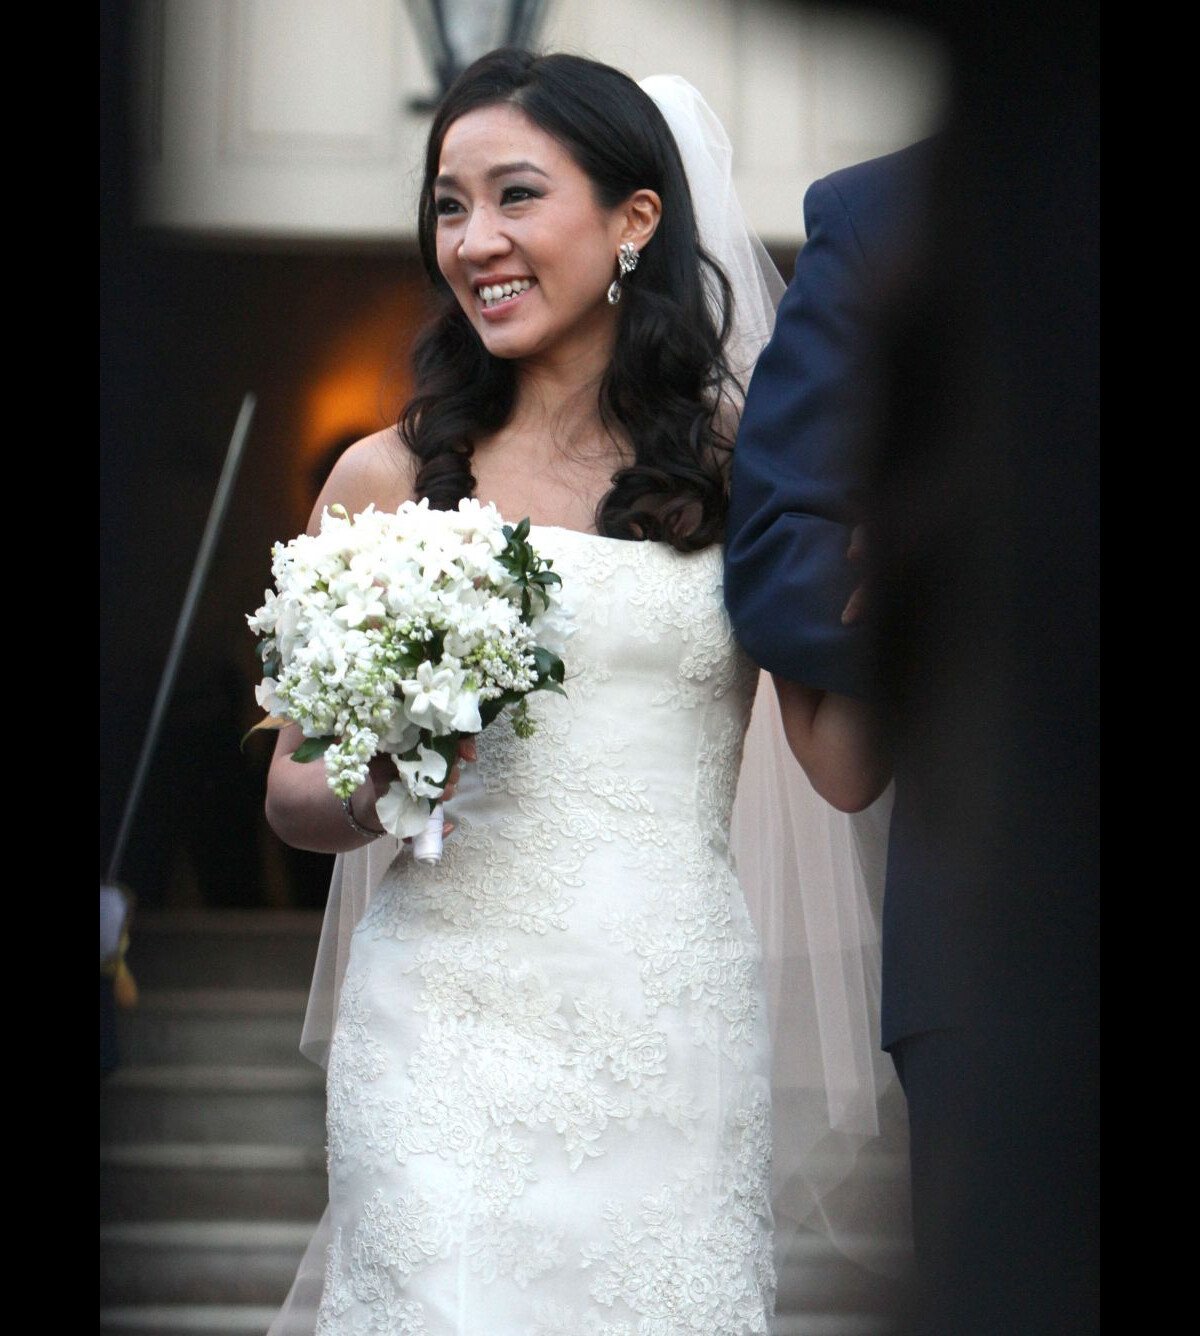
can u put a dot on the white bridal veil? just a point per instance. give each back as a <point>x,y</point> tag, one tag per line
<point>812,876</point>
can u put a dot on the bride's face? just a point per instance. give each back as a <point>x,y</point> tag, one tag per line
<point>522,240</point>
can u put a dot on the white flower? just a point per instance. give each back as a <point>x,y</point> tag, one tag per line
<point>387,630</point>
<point>466,718</point>
<point>399,814</point>
<point>266,694</point>
<point>361,601</point>
<point>428,695</point>
<point>426,776</point>
<point>263,621</point>
<point>401,736</point>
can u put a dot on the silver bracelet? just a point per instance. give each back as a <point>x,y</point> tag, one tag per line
<point>356,825</point>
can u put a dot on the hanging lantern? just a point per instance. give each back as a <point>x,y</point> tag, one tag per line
<point>455,33</point>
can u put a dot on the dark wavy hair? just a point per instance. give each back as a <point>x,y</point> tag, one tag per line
<point>667,386</point>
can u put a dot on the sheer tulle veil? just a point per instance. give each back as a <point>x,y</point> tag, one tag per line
<point>812,876</point>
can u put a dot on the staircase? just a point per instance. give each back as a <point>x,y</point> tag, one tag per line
<point>212,1156</point>
<point>212,1163</point>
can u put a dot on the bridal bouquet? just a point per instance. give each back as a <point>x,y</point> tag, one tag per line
<point>401,634</point>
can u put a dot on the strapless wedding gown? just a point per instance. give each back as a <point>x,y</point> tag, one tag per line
<point>548,1089</point>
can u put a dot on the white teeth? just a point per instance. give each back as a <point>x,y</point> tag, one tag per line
<point>497,292</point>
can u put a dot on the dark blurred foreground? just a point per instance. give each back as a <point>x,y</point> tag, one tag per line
<point>986,521</point>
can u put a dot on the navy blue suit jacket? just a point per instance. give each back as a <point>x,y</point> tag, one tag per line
<point>796,491</point>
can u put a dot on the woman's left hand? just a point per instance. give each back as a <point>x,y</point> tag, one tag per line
<point>466,752</point>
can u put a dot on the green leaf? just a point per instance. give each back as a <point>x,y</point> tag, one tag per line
<point>268,652</point>
<point>522,530</point>
<point>311,748</point>
<point>548,665</point>
<point>489,709</point>
<point>446,747</point>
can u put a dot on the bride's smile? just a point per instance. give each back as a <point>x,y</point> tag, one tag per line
<point>498,294</point>
<point>522,240</point>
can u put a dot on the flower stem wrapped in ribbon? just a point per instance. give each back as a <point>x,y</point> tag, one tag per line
<point>400,634</point>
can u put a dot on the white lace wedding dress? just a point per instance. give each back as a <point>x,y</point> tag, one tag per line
<point>548,1089</point>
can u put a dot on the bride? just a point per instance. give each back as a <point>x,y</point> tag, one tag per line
<point>549,1063</point>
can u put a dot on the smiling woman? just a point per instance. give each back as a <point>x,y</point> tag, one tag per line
<point>525,245</point>
<point>537,172</point>
<point>548,1090</point>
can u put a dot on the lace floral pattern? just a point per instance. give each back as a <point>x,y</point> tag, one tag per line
<point>392,1238</point>
<point>543,1041</point>
<point>687,1264</point>
<point>354,1116</point>
<point>517,1245</point>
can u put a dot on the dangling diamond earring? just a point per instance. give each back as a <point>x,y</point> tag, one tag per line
<point>627,259</point>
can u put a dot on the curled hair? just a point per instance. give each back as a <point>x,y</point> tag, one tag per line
<point>668,385</point>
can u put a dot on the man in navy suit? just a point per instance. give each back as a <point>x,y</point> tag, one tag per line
<point>798,476</point>
<point>800,473</point>
<point>886,397</point>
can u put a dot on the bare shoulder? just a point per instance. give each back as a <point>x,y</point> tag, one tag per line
<point>378,468</point>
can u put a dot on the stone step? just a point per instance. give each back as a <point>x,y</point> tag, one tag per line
<point>212,1182</point>
<point>185,1261</point>
<point>176,949</point>
<point>244,1026</point>
<point>254,1262</point>
<point>187,1319</point>
<point>214,1104</point>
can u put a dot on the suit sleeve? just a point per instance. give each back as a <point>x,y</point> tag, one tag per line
<point>793,490</point>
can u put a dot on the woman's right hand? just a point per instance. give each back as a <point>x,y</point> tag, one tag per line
<point>380,774</point>
<point>364,799</point>
<point>304,812</point>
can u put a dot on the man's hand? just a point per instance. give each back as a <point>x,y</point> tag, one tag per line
<point>856,603</point>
